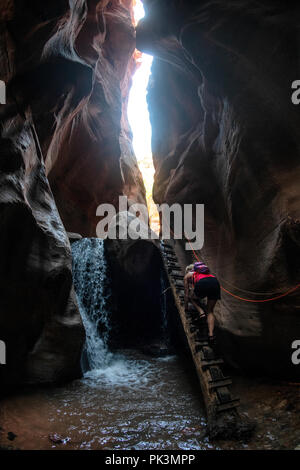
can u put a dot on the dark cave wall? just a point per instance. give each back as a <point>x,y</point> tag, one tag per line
<point>226,134</point>
<point>135,272</point>
<point>68,68</point>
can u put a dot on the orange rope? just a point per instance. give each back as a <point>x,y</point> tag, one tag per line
<point>293,289</point>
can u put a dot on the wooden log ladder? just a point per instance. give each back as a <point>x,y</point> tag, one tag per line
<point>224,419</point>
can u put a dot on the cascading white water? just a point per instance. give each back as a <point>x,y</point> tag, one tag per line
<point>92,290</point>
<point>92,287</point>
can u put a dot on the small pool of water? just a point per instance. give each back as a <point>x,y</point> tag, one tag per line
<point>136,402</point>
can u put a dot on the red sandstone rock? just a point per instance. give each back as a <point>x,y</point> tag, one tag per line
<point>226,134</point>
<point>68,68</point>
<point>91,160</point>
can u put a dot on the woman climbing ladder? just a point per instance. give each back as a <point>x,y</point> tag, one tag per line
<point>199,284</point>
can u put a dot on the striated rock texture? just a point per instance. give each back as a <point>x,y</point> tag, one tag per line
<point>67,66</point>
<point>226,134</point>
<point>39,318</point>
<point>90,159</point>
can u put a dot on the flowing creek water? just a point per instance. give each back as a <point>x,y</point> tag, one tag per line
<point>127,400</point>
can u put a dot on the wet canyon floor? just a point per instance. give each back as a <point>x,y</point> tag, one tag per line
<point>138,402</point>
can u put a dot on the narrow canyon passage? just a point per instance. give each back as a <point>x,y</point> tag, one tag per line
<point>139,120</point>
<point>162,101</point>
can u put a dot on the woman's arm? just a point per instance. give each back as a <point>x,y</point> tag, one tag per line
<point>187,279</point>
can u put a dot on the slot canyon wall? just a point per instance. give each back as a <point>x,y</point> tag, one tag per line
<point>65,148</point>
<point>226,134</point>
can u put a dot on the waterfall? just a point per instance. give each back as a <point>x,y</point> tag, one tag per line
<point>92,287</point>
<point>92,290</point>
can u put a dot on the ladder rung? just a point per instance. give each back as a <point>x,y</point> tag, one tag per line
<point>201,337</point>
<point>220,383</point>
<point>199,346</point>
<point>229,405</point>
<point>212,362</point>
<point>220,379</point>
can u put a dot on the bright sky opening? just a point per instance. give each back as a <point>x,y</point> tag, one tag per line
<point>138,116</point>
